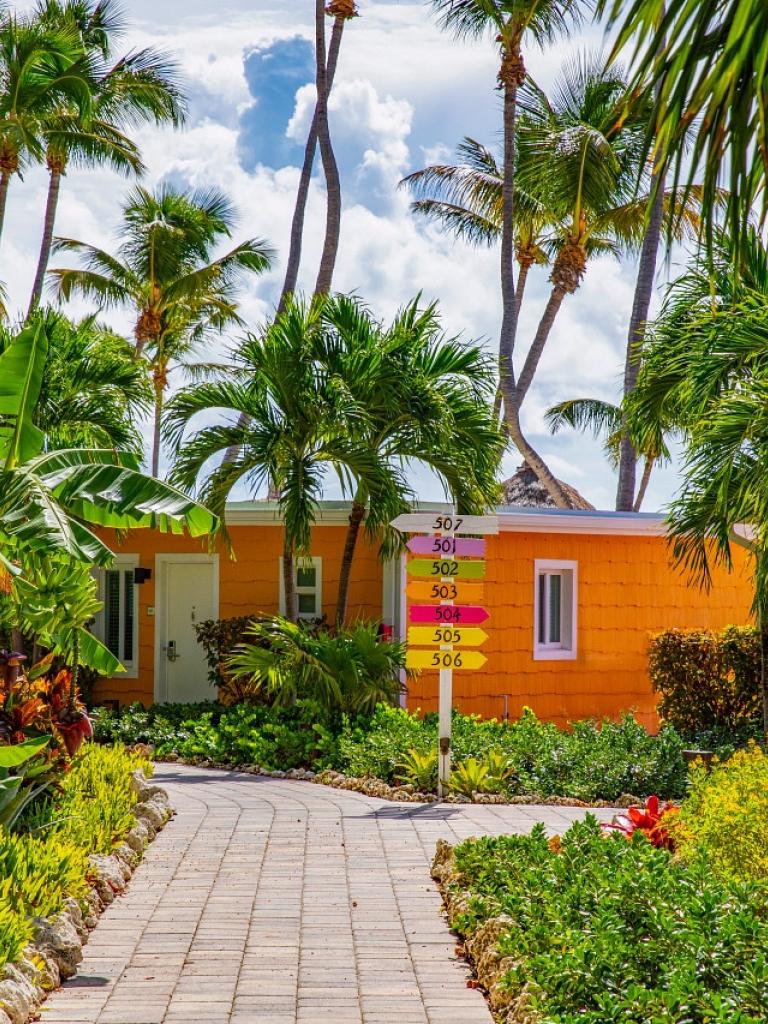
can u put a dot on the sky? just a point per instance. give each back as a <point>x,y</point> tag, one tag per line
<point>405,95</point>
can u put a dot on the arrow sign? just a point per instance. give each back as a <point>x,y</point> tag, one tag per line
<point>458,660</point>
<point>448,568</point>
<point>458,636</point>
<point>447,614</point>
<point>437,590</point>
<point>441,547</point>
<point>441,522</point>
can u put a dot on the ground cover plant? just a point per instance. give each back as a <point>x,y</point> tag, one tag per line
<point>590,762</point>
<point>594,928</point>
<point>45,860</point>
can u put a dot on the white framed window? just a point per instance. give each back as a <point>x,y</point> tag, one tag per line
<point>308,577</point>
<point>117,624</point>
<point>555,602</point>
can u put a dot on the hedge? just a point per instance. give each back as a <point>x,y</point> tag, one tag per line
<point>709,682</point>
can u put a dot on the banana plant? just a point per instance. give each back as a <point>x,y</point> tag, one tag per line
<point>29,767</point>
<point>49,499</point>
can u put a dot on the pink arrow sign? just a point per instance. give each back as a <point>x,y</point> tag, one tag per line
<point>467,614</point>
<point>461,547</point>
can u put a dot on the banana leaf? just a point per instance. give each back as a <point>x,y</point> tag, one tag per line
<point>22,366</point>
<point>19,753</point>
<point>91,651</point>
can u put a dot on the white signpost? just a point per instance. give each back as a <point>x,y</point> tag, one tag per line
<point>446,525</point>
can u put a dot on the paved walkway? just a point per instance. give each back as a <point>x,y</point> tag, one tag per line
<point>277,902</point>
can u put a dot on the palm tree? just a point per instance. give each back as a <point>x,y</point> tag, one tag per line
<point>93,392</point>
<point>710,114</point>
<point>136,88</point>
<point>426,399</point>
<point>300,422</point>
<point>511,22</point>
<point>604,419</point>
<point>40,68</point>
<point>341,11</point>
<point>165,271</point>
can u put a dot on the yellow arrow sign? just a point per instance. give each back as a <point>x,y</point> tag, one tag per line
<point>450,568</point>
<point>459,660</point>
<point>459,636</point>
<point>458,591</point>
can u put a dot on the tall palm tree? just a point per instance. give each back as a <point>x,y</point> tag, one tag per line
<point>40,68</point>
<point>511,22</point>
<point>165,271</point>
<point>327,155</point>
<point>300,422</point>
<point>606,420</point>
<point>93,392</point>
<point>710,118</point>
<point>427,400</point>
<point>136,88</point>
<point>341,11</point>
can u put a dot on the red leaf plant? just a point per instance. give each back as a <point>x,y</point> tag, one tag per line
<point>653,821</point>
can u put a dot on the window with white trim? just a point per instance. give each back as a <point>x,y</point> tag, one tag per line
<point>554,626</point>
<point>117,624</point>
<point>308,580</point>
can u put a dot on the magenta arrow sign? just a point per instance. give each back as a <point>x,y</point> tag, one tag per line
<point>467,614</point>
<point>461,547</point>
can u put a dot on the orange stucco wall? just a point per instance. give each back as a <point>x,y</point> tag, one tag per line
<point>248,583</point>
<point>627,589</point>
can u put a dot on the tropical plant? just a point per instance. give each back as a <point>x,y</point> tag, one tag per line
<point>349,671</point>
<point>164,270</point>
<point>419,769</point>
<point>470,777</point>
<point>655,821</point>
<point>512,23</point>
<point>604,418</point>
<point>426,400</point>
<point>41,68</point>
<point>93,391</point>
<point>301,420</point>
<point>24,774</point>
<point>706,64</point>
<point>133,89</point>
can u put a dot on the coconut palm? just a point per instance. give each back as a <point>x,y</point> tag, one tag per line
<point>512,23</point>
<point>40,69</point>
<point>606,420</point>
<point>129,91</point>
<point>710,118</point>
<point>93,392</point>
<point>426,399</point>
<point>301,421</point>
<point>165,271</point>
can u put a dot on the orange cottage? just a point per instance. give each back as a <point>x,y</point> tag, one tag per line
<point>573,598</point>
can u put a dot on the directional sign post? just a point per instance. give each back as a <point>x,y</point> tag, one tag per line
<point>448,626</point>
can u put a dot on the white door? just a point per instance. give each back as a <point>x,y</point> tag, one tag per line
<point>190,596</point>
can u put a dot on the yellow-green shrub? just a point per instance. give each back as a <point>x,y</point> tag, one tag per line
<point>725,816</point>
<point>15,931</point>
<point>37,873</point>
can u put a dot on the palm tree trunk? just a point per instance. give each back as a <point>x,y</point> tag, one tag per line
<point>356,516</point>
<point>508,298</point>
<point>522,278</point>
<point>644,481</point>
<point>159,383</point>
<point>300,209</point>
<point>330,167</point>
<point>5,183</point>
<point>289,582</point>
<point>535,461</point>
<point>646,274</point>
<point>51,206</point>
<point>540,339</point>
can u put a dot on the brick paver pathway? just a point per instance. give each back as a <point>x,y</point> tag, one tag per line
<point>274,902</point>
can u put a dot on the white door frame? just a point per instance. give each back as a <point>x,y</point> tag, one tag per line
<point>161,593</point>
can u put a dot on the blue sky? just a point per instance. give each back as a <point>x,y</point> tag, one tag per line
<point>405,95</point>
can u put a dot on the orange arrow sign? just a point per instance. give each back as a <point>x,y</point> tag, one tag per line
<point>459,591</point>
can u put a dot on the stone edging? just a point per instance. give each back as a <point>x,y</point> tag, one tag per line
<point>56,950</point>
<point>480,948</point>
<point>382,790</point>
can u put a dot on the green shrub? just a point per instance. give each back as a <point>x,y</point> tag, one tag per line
<point>15,931</point>
<point>724,818</point>
<point>607,931</point>
<point>158,724</point>
<point>219,638</point>
<point>709,683</point>
<point>38,873</point>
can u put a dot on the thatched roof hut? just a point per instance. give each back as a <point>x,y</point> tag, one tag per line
<point>524,488</point>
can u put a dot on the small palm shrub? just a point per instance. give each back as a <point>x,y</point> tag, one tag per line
<point>420,770</point>
<point>349,671</point>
